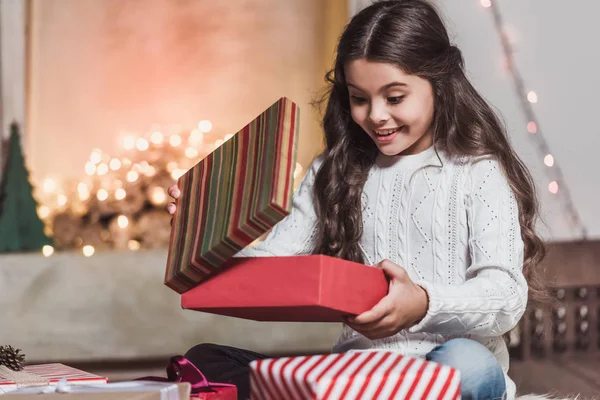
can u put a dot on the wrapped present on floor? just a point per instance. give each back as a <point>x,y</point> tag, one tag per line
<point>44,375</point>
<point>299,288</point>
<point>356,375</point>
<point>233,196</point>
<point>132,390</point>
<point>228,200</point>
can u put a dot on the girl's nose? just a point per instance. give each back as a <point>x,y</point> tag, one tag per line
<point>378,114</point>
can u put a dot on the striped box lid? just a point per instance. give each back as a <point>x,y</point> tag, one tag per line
<point>233,196</point>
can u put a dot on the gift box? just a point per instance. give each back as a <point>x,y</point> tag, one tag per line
<point>111,391</point>
<point>356,375</point>
<point>233,196</point>
<point>230,199</point>
<point>44,375</point>
<point>299,288</point>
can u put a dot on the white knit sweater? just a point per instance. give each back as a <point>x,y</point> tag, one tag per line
<point>453,224</point>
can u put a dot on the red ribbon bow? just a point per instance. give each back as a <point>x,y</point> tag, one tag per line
<point>180,369</point>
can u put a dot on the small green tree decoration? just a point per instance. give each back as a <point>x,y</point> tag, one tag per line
<point>21,229</point>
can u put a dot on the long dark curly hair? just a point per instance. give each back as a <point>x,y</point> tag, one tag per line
<point>411,35</point>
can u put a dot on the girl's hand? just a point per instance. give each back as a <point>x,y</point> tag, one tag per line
<point>174,192</point>
<point>405,304</point>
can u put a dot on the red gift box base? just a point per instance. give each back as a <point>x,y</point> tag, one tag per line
<point>220,393</point>
<point>313,288</point>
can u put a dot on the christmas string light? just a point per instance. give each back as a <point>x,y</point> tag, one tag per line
<point>47,250</point>
<point>122,196</point>
<point>88,250</point>
<point>527,99</point>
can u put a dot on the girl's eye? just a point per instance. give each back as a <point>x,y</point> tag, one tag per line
<point>358,100</point>
<point>395,100</point>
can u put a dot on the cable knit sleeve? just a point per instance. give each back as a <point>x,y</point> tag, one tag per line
<point>493,296</point>
<point>294,234</point>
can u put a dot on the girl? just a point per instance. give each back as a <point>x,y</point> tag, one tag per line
<point>417,176</point>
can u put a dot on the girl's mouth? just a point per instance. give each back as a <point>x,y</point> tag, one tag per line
<point>386,135</point>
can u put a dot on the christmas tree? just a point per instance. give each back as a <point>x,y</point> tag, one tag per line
<point>20,226</point>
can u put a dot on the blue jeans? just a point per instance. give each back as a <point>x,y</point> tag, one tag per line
<point>481,376</point>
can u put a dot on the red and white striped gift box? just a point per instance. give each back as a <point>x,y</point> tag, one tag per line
<point>53,373</point>
<point>356,375</point>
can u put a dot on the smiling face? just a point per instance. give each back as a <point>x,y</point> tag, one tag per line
<point>393,108</point>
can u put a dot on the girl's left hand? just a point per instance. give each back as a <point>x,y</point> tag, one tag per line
<point>405,304</point>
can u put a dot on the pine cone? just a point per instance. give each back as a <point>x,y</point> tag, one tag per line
<point>12,358</point>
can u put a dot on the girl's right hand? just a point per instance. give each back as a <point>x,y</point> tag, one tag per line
<point>174,192</point>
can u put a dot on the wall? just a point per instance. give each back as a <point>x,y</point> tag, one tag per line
<point>102,68</point>
<point>562,69</point>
